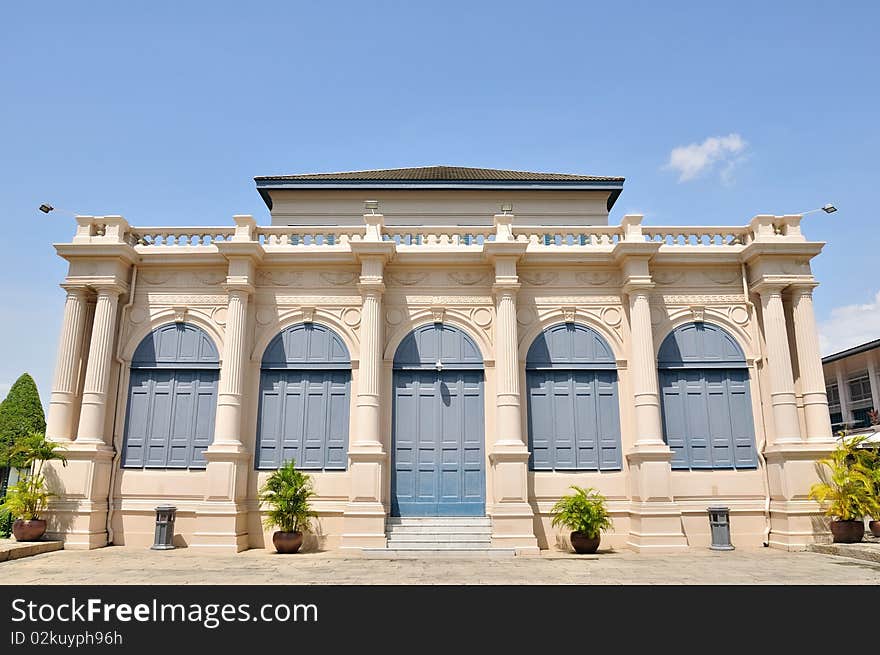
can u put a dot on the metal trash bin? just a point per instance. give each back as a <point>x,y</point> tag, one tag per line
<point>164,538</point>
<point>719,524</point>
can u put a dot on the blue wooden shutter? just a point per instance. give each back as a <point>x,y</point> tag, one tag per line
<point>337,420</point>
<point>608,420</point>
<point>203,421</point>
<point>696,419</point>
<point>314,421</point>
<point>540,420</point>
<point>585,406</point>
<point>742,427</point>
<point>137,418</point>
<point>159,421</point>
<point>719,418</point>
<point>674,421</point>
<point>183,403</point>
<point>563,417</point>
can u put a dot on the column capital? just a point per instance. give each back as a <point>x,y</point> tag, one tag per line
<point>506,287</point>
<point>804,288</point>
<point>638,284</point>
<point>76,289</point>
<point>371,286</point>
<point>236,284</point>
<point>109,289</point>
<point>768,288</point>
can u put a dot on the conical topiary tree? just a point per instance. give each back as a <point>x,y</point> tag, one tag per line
<point>20,414</point>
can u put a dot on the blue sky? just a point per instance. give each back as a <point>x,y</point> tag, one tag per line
<point>164,111</point>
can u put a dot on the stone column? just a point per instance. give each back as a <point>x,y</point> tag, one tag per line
<point>791,459</point>
<point>512,515</point>
<point>366,436</point>
<point>59,422</point>
<point>782,392</point>
<point>227,430</point>
<point>816,416</point>
<point>655,518</point>
<point>843,391</point>
<point>875,381</point>
<point>643,366</point>
<point>92,419</point>
<point>221,521</point>
<point>364,514</point>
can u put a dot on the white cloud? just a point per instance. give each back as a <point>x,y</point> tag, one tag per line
<point>694,159</point>
<point>850,325</point>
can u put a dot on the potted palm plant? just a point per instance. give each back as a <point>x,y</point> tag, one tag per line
<point>28,498</point>
<point>847,489</point>
<point>584,513</point>
<point>286,493</point>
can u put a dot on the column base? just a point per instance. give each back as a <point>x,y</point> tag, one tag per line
<point>655,527</point>
<point>513,526</point>
<point>363,525</point>
<point>78,514</point>
<point>222,520</point>
<point>794,525</point>
<point>222,527</point>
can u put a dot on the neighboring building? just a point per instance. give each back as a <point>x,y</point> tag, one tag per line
<point>852,383</point>
<point>442,342</point>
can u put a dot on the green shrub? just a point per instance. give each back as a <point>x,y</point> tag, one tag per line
<point>21,414</point>
<point>583,511</point>
<point>848,490</point>
<point>287,493</point>
<point>6,521</point>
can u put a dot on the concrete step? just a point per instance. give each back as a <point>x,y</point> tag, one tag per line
<point>438,529</point>
<point>439,537</point>
<point>440,545</point>
<point>438,553</point>
<point>437,521</point>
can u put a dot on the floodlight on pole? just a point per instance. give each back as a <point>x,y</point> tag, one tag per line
<point>828,209</point>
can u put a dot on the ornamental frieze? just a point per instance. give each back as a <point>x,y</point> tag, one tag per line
<point>697,299</point>
<point>338,278</point>
<point>468,278</point>
<point>318,301</point>
<point>407,278</point>
<point>157,298</point>
<point>538,278</point>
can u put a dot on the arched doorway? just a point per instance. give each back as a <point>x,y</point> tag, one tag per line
<point>573,408</point>
<point>705,399</point>
<point>172,399</point>
<point>438,425</point>
<point>305,379</point>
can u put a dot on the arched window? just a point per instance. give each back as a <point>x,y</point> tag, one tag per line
<point>305,381</point>
<point>172,399</point>
<point>574,414</point>
<point>707,408</point>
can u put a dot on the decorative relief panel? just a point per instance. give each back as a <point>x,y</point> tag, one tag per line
<point>598,278</point>
<point>407,278</point>
<point>667,277</point>
<point>156,298</point>
<point>279,278</point>
<point>317,301</point>
<point>738,315</point>
<point>393,316</point>
<point>351,316</point>
<point>538,278</point>
<point>468,278</point>
<point>525,316</point>
<point>723,276</point>
<point>338,278</point>
<point>481,316</point>
<point>219,315</point>
<point>698,299</point>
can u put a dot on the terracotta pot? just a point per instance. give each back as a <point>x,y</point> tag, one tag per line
<point>584,545</point>
<point>847,532</point>
<point>28,530</point>
<point>874,527</point>
<point>287,542</point>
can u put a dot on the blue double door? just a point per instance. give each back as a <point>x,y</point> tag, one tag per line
<point>438,444</point>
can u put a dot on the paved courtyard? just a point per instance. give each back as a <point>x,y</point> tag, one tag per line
<point>118,565</point>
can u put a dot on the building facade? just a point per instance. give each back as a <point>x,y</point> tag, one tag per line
<point>439,342</point>
<point>852,383</point>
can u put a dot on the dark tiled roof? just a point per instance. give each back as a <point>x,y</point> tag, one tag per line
<point>440,174</point>
<point>855,350</point>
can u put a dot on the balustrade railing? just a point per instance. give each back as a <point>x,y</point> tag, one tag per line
<point>567,236</point>
<point>179,236</point>
<point>698,236</point>
<point>305,235</point>
<point>442,235</point>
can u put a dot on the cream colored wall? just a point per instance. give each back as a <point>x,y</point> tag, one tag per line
<point>549,295</point>
<point>438,207</point>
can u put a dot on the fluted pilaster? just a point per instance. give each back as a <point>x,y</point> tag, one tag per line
<point>816,416</point>
<point>507,367</point>
<point>370,368</point>
<point>782,394</point>
<point>94,402</point>
<point>646,396</point>
<point>228,425</point>
<point>59,422</point>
